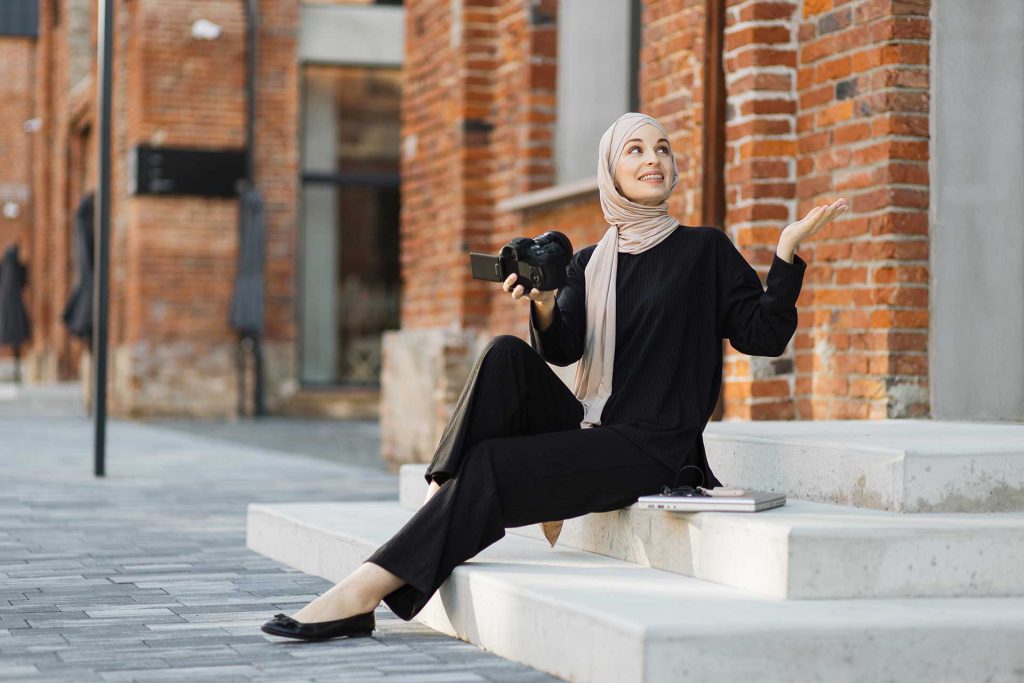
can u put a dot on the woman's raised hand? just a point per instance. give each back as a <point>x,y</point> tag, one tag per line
<point>816,219</point>
<point>535,294</point>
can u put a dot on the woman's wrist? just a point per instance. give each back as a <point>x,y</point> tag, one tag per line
<point>544,304</point>
<point>786,249</point>
<point>544,312</point>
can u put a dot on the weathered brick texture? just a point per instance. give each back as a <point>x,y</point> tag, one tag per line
<point>863,87</point>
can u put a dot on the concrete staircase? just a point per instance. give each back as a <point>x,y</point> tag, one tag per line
<point>862,591</point>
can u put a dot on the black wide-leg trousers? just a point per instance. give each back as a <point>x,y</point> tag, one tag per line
<point>513,454</point>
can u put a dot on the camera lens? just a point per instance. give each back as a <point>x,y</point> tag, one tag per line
<point>559,238</point>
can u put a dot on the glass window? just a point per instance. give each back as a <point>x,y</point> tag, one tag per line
<point>349,273</point>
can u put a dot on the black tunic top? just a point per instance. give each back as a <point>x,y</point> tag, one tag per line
<point>675,303</point>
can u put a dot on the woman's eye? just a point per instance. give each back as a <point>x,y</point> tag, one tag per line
<point>659,147</point>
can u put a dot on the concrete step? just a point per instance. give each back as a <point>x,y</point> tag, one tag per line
<point>585,617</point>
<point>897,465</point>
<point>803,549</point>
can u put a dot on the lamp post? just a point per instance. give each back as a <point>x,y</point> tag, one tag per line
<point>102,244</point>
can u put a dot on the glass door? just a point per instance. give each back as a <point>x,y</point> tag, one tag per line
<point>349,273</point>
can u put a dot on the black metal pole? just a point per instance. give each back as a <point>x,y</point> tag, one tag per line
<point>102,237</point>
<point>250,175</point>
<point>250,87</point>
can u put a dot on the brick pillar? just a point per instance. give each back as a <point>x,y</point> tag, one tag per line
<point>760,59</point>
<point>863,134</point>
<point>449,75</point>
<point>672,91</point>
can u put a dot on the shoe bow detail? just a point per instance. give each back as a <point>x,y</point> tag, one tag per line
<point>285,620</point>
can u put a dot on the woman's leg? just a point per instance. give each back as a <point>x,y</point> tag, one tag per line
<point>510,391</point>
<point>510,482</point>
<point>359,592</point>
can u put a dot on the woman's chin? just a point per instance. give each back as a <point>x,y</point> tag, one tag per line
<point>650,198</point>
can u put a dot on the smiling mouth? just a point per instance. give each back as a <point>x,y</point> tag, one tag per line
<point>652,179</point>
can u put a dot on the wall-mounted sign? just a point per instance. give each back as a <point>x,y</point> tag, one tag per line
<point>179,171</point>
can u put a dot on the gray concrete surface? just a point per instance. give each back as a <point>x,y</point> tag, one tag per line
<point>976,334</point>
<point>144,575</point>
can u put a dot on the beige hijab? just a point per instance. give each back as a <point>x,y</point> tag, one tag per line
<point>633,228</point>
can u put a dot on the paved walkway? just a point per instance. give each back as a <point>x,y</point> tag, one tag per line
<point>144,575</point>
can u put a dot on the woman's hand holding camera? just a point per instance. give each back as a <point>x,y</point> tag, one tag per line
<point>545,301</point>
<point>543,298</point>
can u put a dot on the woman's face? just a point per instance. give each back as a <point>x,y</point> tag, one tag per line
<point>644,170</point>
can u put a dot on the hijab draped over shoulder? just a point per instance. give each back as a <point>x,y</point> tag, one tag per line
<point>632,229</point>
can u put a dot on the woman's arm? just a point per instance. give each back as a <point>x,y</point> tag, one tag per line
<point>757,322</point>
<point>557,329</point>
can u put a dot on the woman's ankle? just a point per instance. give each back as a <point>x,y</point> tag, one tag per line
<point>432,488</point>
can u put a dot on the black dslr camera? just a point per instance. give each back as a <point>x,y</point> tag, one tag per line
<point>539,263</point>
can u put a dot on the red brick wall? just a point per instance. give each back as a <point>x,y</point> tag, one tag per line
<point>433,222</point>
<point>175,257</point>
<point>178,252</point>
<point>672,91</point>
<point>172,258</point>
<point>760,57</point>
<point>824,99</point>
<point>863,134</point>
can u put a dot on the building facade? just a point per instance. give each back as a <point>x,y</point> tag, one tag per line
<point>326,99</point>
<point>773,107</point>
<point>488,114</point>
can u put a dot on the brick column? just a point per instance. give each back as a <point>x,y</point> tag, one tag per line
<point>760,60</point>
<point>863,134</point>
<point>672,91</point>
<point>448,169</point>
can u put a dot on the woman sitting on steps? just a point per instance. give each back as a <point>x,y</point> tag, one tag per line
<point>653,299</point>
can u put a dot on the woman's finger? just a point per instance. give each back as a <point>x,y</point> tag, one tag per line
<point>813,214</point>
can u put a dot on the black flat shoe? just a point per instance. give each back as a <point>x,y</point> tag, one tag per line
<point>358,625</point>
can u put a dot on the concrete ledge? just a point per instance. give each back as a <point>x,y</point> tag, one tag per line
<point>804,549</point>
<point>585,617</point>
<point>536,199</point>
<point>898,465</point>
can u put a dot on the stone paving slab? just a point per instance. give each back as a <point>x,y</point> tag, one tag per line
<point>144,575</point>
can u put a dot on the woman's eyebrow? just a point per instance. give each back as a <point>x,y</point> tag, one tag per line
<point>639,140</point>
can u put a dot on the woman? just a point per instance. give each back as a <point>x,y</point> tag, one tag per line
<point>653,299</point>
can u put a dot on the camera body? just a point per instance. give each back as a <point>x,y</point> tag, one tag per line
<point>538,263</point>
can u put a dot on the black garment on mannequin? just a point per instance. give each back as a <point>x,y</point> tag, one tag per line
<point>675,303</point>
